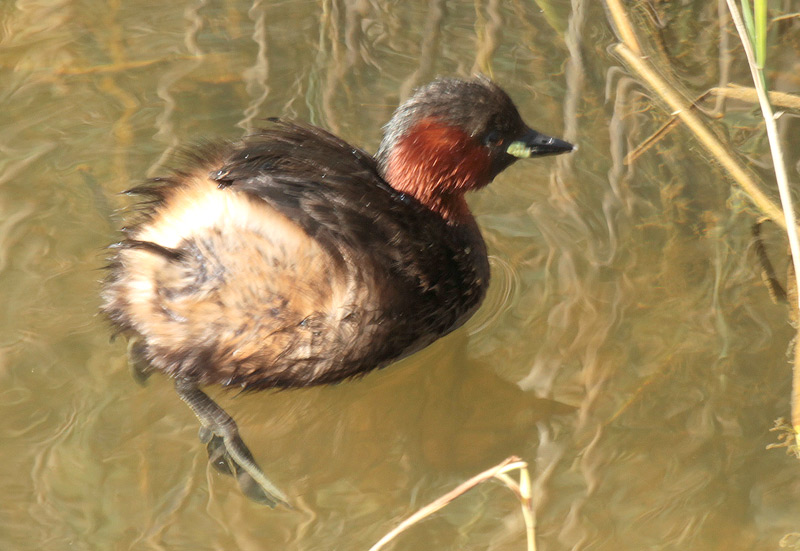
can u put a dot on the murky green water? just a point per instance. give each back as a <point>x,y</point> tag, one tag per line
<point>627,350</point>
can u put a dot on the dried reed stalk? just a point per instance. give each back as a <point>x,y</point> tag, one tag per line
<point>499,471</point>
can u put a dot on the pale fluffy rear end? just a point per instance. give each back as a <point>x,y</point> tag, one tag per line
<point>218,284</point>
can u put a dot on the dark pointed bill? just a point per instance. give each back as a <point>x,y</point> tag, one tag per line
<point>535,144</point>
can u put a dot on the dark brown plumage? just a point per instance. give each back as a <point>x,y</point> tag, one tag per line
<point>292,258</point>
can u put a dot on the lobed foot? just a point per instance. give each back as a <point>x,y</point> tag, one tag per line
<point>226,449</point>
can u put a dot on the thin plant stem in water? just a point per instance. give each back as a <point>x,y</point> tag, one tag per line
<point>521,489</point>
<point>756,69</point>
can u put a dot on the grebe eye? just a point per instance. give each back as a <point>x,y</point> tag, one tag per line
<point>493,139</point>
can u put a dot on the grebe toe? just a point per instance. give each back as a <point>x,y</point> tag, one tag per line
<point>226,449</point>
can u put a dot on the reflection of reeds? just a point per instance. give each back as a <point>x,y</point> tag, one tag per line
<point>487,33</point>
<point>756,35</point>
<point>256,77</point>
<point>166,84</point>
<point>682,109</point>
<point>630,51</point>
<point>429,46</point>
<point>732,91</point>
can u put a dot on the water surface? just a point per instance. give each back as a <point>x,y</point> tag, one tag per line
<point>627,350</point>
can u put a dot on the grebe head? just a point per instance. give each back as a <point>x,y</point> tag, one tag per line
<point>453,136</point>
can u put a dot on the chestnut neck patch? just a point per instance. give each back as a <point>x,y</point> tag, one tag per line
<point>437,163</point>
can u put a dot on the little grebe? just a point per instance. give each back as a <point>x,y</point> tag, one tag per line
<point>292,258</point>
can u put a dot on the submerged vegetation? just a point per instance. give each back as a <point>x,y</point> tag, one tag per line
<point>752,29</point>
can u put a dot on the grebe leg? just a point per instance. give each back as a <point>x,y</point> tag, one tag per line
<point>227,451</point>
